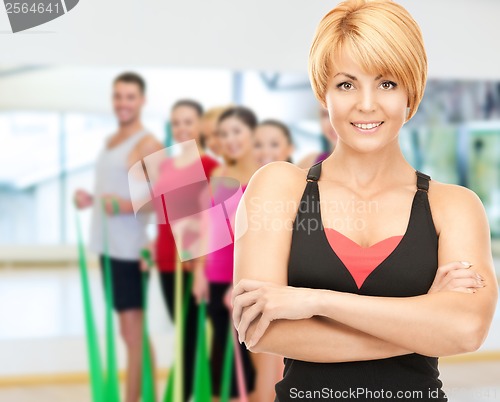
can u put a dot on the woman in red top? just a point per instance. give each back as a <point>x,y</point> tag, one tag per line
<point>186,125</point>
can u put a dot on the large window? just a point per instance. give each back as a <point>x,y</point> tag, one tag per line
<point>44,158</point>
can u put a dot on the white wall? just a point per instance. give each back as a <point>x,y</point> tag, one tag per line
<point>461,35</point>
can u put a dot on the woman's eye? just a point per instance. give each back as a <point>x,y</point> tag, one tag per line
<point>388,85</point>
<point>346,86</point>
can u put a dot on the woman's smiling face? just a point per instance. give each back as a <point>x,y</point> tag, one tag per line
<point>271,144</point>
<point>185,123</point>
<point>235,138</point>
<point>366,110</point>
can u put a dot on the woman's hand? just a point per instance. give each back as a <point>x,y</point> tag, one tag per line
<point>267,302</point>
<point>200,285</point>
<point>113,204</point>
<point>456,276</point>
<point>82,199</point>
<point>188,265</point>
<point>228,298</point>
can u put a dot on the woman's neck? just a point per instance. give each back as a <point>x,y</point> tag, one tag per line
<point>245,166</point>
<point>370,170</point>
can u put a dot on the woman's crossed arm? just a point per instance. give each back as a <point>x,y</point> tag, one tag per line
<point>323,325</point>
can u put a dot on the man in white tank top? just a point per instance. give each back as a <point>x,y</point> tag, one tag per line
<point>127,233</point>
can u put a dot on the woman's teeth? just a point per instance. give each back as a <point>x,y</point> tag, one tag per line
<point>367,126</point>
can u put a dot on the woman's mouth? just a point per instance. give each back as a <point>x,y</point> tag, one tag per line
<point>367,128</point>
<point>233,150</point>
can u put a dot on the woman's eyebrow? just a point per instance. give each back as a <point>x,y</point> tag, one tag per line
<point>352,77</point>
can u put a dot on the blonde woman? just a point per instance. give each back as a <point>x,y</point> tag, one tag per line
<point>209,137</point>
<point>365,290</point>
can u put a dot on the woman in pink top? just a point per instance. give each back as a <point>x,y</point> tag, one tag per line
<point>214,274</point>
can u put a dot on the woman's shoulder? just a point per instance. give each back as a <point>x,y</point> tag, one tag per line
<point>217,171</point>
<point>278,180</point>
<point>449,201</point>
<point>209,164</point>
<point>274,192</point>
<point>451,194</point>
<point>209,160</point>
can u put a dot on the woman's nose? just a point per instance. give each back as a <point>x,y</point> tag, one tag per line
<point>367,101</point>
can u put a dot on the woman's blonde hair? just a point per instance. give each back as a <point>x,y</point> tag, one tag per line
<point>216,112</point>
<point>382,37</point>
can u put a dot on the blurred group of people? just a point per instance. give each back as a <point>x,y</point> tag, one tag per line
<point>232,144</point>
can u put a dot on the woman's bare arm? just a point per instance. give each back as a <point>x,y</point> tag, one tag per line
<point>436,324</point>
<point>322,340</point>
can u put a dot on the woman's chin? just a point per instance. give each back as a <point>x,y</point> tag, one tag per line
<point>367,145</point>
<point>234,155</point>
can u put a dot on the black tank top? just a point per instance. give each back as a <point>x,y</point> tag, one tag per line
<point>408,271</point>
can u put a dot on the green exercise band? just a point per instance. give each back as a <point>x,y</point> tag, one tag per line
<point>169,390</point>
<point>94,355</point>
<point>202,376</point>
<point>147,374</point>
